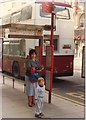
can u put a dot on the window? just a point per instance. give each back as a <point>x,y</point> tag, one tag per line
<point>6,48</point>
<point>55,44</point>
<point>26,13</point>
<point>6,19</point>
<point>16,17</point>
<point>22,48</point>
<point>14,48</point>
<point>47,42</point>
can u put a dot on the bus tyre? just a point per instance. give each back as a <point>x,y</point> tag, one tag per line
<point>15,70</point>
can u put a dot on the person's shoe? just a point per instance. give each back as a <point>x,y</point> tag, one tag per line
<point>33,104</point>
<point>30,105</point>
<point>41,114</point>
<point>38,115</point>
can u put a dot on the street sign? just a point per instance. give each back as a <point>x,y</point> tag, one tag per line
<point>47,6</point>
<point>49,69</point>
<point>48,78</point>
<point>49,57</point>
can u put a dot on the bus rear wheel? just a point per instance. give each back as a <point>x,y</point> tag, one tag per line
<point>15,70</point>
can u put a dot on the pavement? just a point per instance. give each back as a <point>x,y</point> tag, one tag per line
<point>14,104</point>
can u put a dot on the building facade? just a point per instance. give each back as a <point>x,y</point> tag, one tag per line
<point>79,28</point>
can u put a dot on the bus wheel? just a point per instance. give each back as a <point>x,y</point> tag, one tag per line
<point>15,70</point>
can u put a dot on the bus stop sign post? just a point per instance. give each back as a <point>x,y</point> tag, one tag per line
<point>49,8</point>
<point>52,55</point>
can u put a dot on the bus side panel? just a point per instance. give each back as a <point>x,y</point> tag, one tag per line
<point>21,64</point>
<point>22,67</point>
<point>63,65</point>
<point>7,64</point>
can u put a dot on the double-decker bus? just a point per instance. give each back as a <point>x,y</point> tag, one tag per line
<point>16,50</point>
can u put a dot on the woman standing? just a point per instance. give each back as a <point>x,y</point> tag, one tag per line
<point>31,63</point>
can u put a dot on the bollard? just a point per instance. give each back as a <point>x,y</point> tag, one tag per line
<point>13,82</point>
<point>49,97</point>
<point>24,87</point>
<point>3,79</point>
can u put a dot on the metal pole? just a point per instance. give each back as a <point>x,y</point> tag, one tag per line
<point>51,43</point>
<point>3,79</point>
<point>52,25</point>
<point>24,87</point>
<point>13,82</point>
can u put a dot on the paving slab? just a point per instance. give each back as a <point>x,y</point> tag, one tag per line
<point>14,104</point>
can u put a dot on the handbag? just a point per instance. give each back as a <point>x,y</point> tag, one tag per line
<point>34,77</point>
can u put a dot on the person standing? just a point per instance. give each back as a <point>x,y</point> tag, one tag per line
<point>39,97</point>
<point>32,66</point>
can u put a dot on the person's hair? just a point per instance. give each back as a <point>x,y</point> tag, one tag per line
<point>40,79</point>
<point>32,51</point>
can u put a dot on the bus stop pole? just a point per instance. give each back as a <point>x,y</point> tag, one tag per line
<point>51,43</point>
<point>52,25</point>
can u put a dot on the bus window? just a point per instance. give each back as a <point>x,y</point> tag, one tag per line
<point>26,13</point>
<point>16,17</point>
<point>22,48</point>
<point>46,42</point>
<point>14,48</point>
<point>55,45</point>
<point>6,48</point>
<point>6,19</point>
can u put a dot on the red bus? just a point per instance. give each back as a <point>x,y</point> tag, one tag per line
<point>15,50</point>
